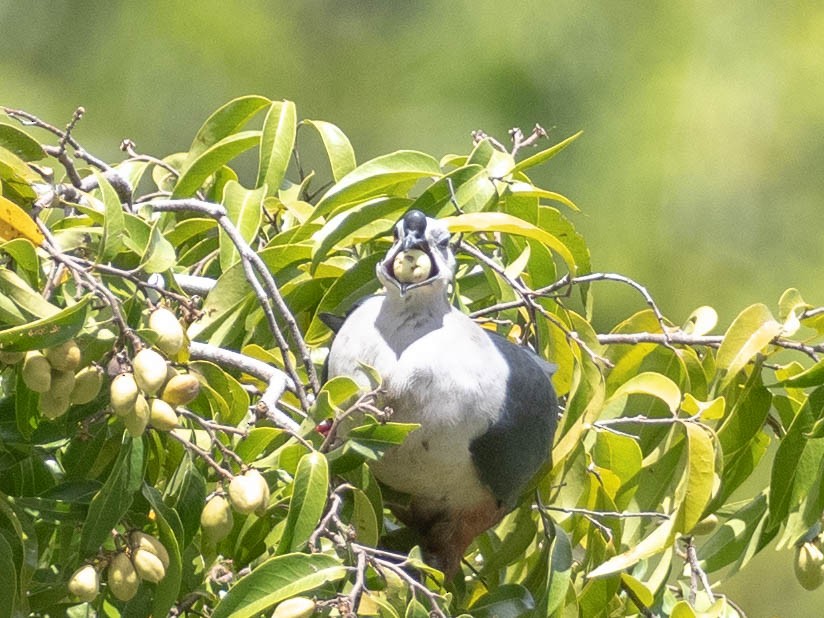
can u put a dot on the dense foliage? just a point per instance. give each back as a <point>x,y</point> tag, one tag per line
<point>166,444</point>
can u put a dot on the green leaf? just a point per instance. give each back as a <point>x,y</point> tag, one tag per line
<point>47,332</point>
<point>503,222</point>
<point>160,254</point>
<point>245,210</point>
<point>737,537</point>
<point>110,504</point>
<point>377,177</point>
<point>276,144</point>
<point>17,176</point>
<point>814,376</point>
<point>256,442</point>
<point>560,574</point>
<point>750,332</point>
<point>507,601</point>
<point>114,221</point>
<point>13,287</point>
<point>364,519</point>
<point>338,149</point>
<point>697,483</point>
<point>308,502</point>
<point>8,583</point>
<point>224,122</point>
<point>660,538</point>
<point>654,384</point>
<point>277,579</point>
<point>21,144</point>
<point>355,225</point>
<point>526,189</point>
<point>796,463</point>
<point>211,160</point>
<point>544,155</point>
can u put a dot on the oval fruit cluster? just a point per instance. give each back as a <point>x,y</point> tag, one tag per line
<point>809,565</point>
<point>56,375</point>
<point>248,493</point>
<point>148,562</point>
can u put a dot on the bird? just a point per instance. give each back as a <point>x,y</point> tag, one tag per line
<point>486,407</point>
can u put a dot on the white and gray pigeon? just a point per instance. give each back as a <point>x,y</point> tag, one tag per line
<point>486,407</point>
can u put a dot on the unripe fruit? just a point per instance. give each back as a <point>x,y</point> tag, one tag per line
<point>64,357</point>
<point>53,407</point>
<point>296,607</point>
<point>216,519</point>
<point>149,371</point>
<point>181,389</point>
<point>85,583</point>
<point>87,385</point>
<point>411,266</point>
<point>162,416</point>
<point>62,383</point>
<point>123,393</point>
<point>138,418</point>
<point>11,358</point>
<point>809,566</point>
<point>249,492</point>
<point>706,525</point>
<point>37,372</point>
<point>169,332</point>
<point>122,578</point>
<point>141,540</point>
<point>148,566</point>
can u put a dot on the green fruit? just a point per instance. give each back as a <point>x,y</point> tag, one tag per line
<point>706,525</point>
<point>53,407</point>
<point>141,540</point>
<point>65,357</point>
<point>85,583</point>
<point>170,336</point>
<point>411,266</point>
<point>62,383</point>
<point>11,358</point>
<point>87,385</point>
<point>216,519</point>
<point>148,566</point>
<point>181,389</point>
<point>296,607</point>
<point>37,372</point>
<point>249,492</point>
<point>123,393</point>
<point>149,371</point>
<point>162,416</point>
<point>138,418</point>
<point>122,578</point>
<point>809,566</point>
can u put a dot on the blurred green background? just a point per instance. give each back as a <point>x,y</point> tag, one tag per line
<point>699,173</point>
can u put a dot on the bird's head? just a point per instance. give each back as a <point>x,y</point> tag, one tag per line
<point>420,258</point>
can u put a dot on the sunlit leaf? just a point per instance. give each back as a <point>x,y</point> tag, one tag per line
<point>245,210</point>
<point>697,484</point>
<point>338,149</point>
<point>195,173</point>
<point>16,223</point>
<point>544,155</point>
<point>276,144</point>
<point>224,122</point>
<point>751,331</point>
<point>307,503</point>
<point>46,332</point>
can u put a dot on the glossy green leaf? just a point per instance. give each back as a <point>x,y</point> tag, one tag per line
<point>308,502</point>
<point>211,160</point>
<point>276,144</point>
<point>654,384</point>
<point>46,332</point>
<point>814,376</point>
<point>364,520</point>
<point>338,149</point>
<point>277,579</point>
<point>355,225</point>
<point>335,394</point>
<point>751,331</point>
<point>110,504</point>
<point>507,601</point>
<point>683,609</point>
<point>731,540</point>
<point>17,176</point>
<point>160,254</point>
<point>20,143</point>
<point>697,484</point>
<point>503,222</point>
<point>224,122</point>
<point>544,155</point>
<point>469,187</point>
<point>377,177</point>
<point>257,442</point>
<point>516,532</point>
<point>114,222</point>
<point>13,287</point>
<point>245,210</point>
<point>560,570</point>
<point>526,189</point>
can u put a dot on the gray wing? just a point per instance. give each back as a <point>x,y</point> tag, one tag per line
<point>515,447</point>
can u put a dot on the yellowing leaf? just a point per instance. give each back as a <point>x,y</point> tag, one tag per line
<point>655,384</point>
<point>16,223</point>
<point>709,410</point>
<point>503,222</point>
<point>749,333</point>
<point>660,539</point>
<point>701,321</point>
<point>696,485</point>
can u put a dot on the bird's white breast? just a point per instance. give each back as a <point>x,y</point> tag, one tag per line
<point>441,371</point>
